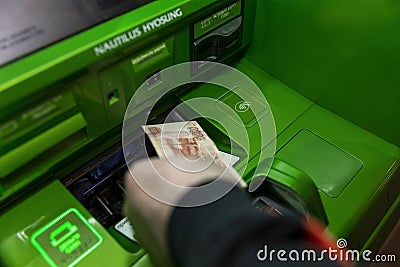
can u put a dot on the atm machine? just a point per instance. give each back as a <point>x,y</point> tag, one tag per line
<point>68,70</point>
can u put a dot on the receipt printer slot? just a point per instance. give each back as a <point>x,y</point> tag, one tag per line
<point>219,42</point>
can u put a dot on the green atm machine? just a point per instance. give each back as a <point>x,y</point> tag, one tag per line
<point>68,70</point>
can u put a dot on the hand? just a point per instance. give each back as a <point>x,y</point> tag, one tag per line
<point>149,216</point>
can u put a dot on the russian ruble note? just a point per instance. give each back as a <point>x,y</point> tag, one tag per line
<point>185,139</point>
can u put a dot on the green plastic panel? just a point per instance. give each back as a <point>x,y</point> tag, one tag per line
<point>21,125</point>
<point>235,102</point>
<point>330,67</point>
<point>45,206</point>
<point>364,200</point>
<point>342,54</point>
<point>67,239</point>
<point>293,187</point>
<point>330,168</point>
<point>98,85</point>
<point>361,197</point>
<point>17,157</point>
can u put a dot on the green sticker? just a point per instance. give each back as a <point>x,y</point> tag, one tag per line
<point>67,239</point>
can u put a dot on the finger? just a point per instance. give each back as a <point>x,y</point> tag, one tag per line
<point>180,172</point>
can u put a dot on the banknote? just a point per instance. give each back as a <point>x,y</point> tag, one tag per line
<point>189,140</point>
<point>183,139</point>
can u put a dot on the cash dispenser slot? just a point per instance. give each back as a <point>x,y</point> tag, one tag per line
<point>216,44</point>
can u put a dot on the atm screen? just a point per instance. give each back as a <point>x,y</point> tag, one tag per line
<point>29,25</point>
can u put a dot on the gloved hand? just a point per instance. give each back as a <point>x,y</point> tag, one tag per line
<point>149,213</point>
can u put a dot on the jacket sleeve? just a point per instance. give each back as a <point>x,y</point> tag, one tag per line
<point>231,232</point>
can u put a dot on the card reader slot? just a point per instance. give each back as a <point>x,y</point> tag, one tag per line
<point>219,42</point>
<point>290,188</point>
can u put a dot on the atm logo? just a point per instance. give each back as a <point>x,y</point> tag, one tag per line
<point>163,19</point>
<point>136,32</point>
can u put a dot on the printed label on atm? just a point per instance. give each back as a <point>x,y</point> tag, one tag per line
<point>217,19</point>
<point>124,227</point>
